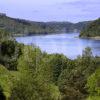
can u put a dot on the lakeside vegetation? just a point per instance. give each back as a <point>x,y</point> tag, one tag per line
<point>27,73</point>
<point>92,30</point>
<point>20,27</point>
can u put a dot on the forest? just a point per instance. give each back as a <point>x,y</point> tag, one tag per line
<point>27,73</point>
<point>92,30</point>
<point>21,27</point>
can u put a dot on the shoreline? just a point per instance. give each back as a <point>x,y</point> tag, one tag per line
<point>25,35</point>
<point>93,38</point>
<point>82,37</point>
<point>96,38</point>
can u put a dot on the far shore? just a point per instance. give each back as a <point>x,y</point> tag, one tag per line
<point>94,38</point>
<point>42,34</point>
<point>82,37</point>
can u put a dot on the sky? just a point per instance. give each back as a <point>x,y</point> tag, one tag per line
<point>52,10</point>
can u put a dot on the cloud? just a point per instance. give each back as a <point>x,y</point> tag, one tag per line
<point>48,10</point>
<point>82,8</point>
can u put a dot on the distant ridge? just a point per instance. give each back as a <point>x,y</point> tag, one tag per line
<point>2,14</point>
<point>19,27</point>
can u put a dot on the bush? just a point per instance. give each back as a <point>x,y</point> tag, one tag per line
<point>9,54</point>
<point>5,81</point>
<point>94,85</point>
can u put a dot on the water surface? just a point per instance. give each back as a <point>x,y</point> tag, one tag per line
<point>67,44</point>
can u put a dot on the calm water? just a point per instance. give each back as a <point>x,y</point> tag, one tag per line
<point>67,44</point>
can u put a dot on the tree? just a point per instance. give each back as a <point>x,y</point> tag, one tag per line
<point>2,96</point>
<point>94,85</point>
<point>4,35</point>
<point>58,63</point>
<point>34,82</point>
<point>9,53</point>
<point>5,83</point>
<point>87,53</point>
<point>71,84</point>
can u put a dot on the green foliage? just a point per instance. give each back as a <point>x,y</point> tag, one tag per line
<point>94,98</point>
<point>87,53</point>
<point>92,30</point>
<point>4,35</point>
<point>34,82</point>
<point>9,53</point>
<point>27,89</point>
<point>94,85</point>
<point>58,63</point>
<point>5,82</point>
<point>2,96</point>
<point>7,48</point>
<point>72,82</point>
<point>19,27</point>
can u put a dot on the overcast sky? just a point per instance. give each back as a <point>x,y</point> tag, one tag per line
<point>52,10</point>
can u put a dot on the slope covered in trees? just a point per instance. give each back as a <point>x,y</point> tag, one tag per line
<point>27,73</point>
<point>92,30</point>
<point>25,27</point>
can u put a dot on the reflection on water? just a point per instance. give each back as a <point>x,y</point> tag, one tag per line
<point>68,44</point>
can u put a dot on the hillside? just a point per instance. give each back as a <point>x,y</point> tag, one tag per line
<point>92,30</point>
<point>24,27</point>
<point>27,73</point>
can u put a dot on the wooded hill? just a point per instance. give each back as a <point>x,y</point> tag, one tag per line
<point>92,30</point>
<point>24,27</point>
<point>27,73</point>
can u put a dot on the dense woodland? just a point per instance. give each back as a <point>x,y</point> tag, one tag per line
<point>27,73</point>
<point>21,27</point>
<point>92,30</point>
